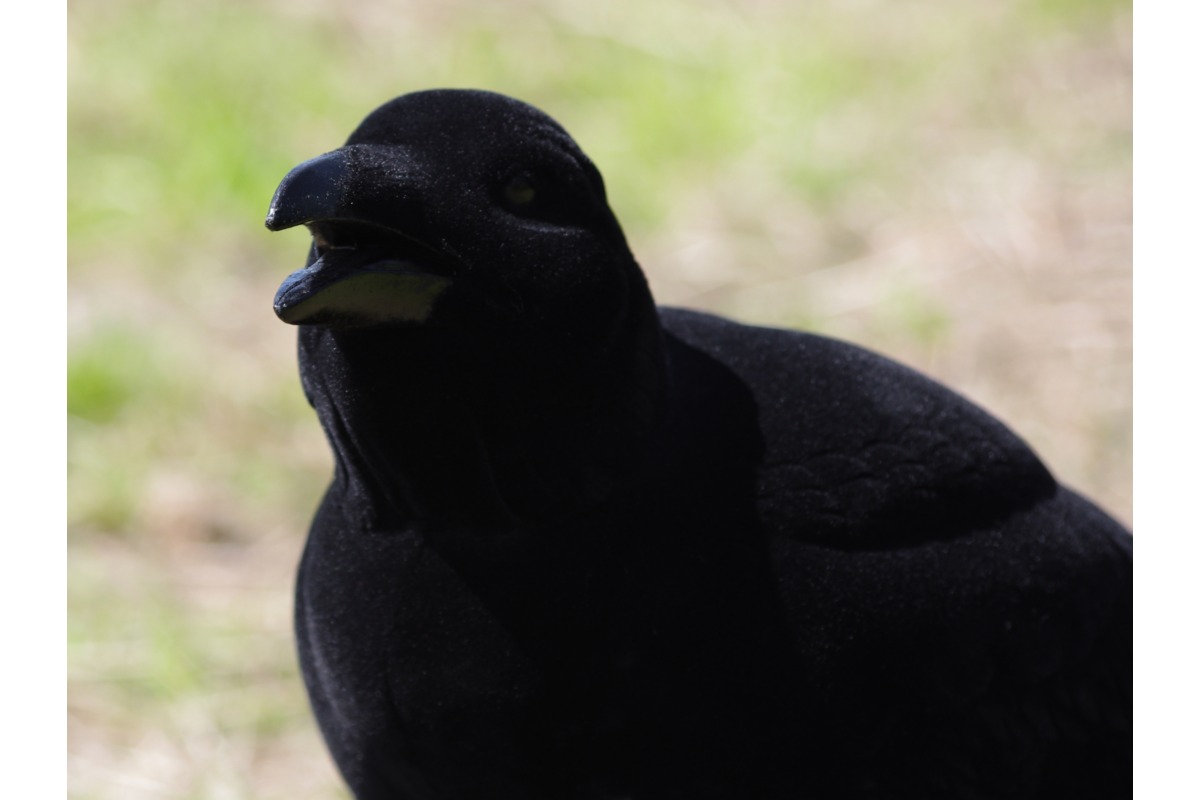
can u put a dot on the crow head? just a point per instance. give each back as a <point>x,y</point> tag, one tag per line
<point>459,209</point>
<point>463,252</point>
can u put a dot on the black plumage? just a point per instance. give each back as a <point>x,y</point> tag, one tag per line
<point>577,546</point>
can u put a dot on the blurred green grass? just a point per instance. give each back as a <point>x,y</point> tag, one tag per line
<point>947,183</point>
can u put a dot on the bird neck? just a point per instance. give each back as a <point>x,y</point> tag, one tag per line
<point>432,431</point>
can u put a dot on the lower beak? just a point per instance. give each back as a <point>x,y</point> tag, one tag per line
<point>334,290</point>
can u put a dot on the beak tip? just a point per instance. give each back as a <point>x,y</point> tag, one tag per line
<point>312,190</point>
<point>285,313</point>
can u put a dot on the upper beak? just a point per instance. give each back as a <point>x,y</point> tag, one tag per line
<point>316,189</point>
<point>363,270</point>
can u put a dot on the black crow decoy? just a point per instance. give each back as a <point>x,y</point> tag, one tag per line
<point>580,547</point>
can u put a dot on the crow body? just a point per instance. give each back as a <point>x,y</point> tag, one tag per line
<point>578,546</point>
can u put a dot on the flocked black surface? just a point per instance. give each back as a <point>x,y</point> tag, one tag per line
<point>580,547</point>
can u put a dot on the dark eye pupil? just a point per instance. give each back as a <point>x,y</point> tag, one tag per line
<point>519,191</point>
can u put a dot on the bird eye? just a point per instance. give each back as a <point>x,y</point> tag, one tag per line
<point>519,191</point>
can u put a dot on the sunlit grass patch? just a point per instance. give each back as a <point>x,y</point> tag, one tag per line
<point>183,679</point>
<point>112,370</point>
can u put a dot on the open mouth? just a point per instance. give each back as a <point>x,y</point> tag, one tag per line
<point>363,274</point>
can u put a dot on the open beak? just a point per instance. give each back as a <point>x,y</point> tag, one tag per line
<point>363,270</point>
